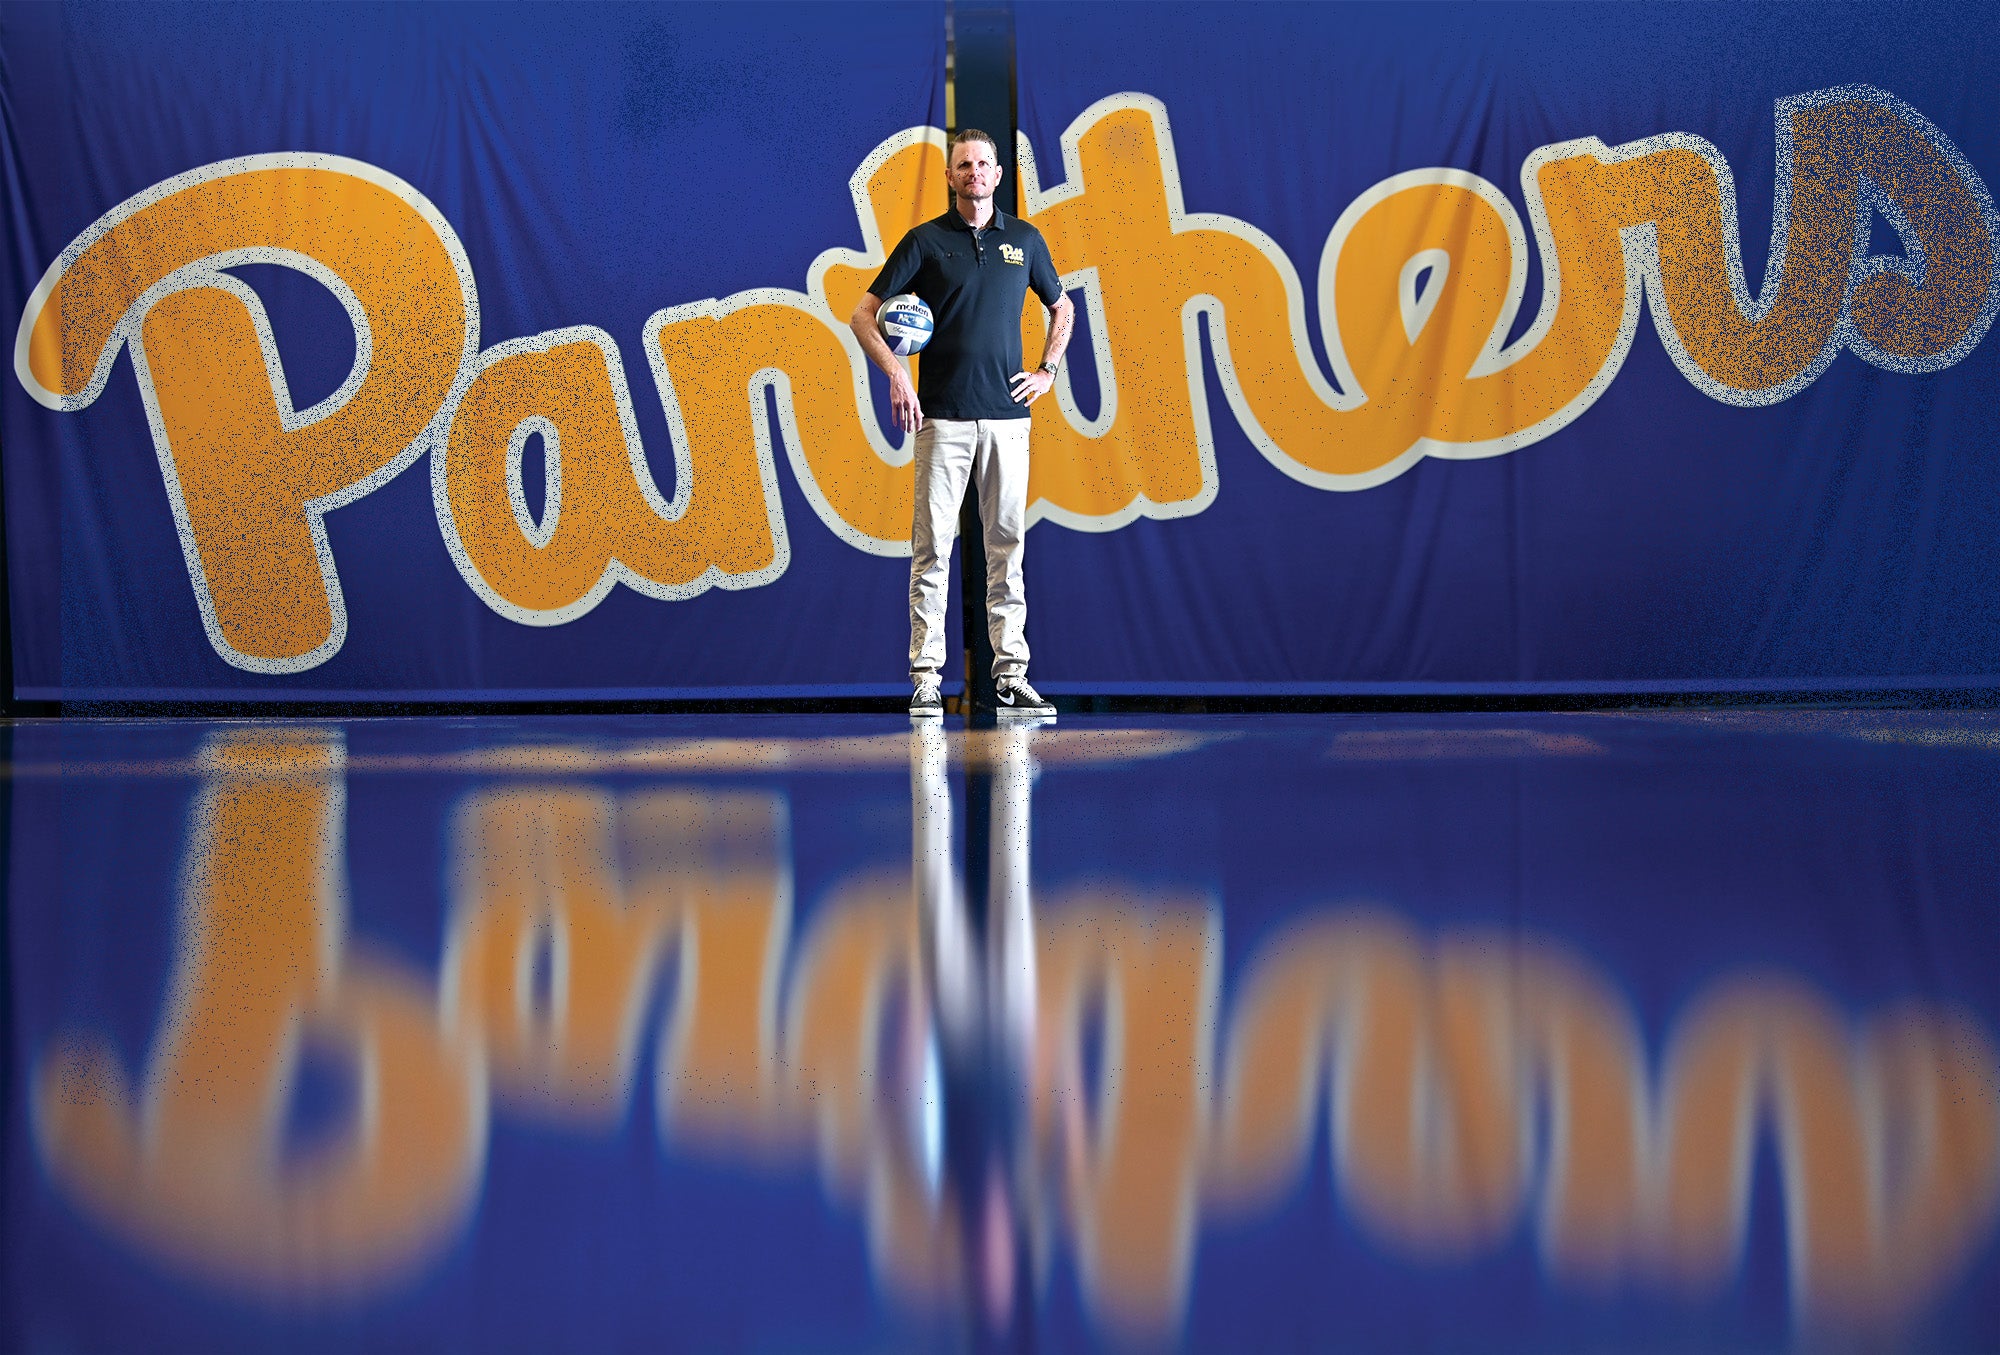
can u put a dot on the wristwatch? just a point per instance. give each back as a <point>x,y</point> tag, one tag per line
<point>1050,368</point>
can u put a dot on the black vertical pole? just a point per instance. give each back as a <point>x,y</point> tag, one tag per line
<point>7,705</point>
<point>982,58</point>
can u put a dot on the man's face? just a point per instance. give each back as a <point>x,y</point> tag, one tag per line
<point>974,173</point>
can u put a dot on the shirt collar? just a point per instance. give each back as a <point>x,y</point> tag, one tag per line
<point>998,223</point>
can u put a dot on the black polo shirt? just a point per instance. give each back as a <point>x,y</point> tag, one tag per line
<point>975,284</point>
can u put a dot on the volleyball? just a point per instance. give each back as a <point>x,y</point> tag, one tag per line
<point>906,324</point>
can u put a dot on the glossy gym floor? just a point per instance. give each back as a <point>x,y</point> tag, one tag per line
<point>1609,1031</point>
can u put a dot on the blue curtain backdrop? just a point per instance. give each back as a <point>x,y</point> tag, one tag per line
<point>598,164</point>
<point>603,165</point>
<point>1843,537</point>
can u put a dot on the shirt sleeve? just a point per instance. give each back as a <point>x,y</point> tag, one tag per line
<point>1042,274</point>
<point>901,270</point>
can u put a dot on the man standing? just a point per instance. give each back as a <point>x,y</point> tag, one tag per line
<point>973,267</point>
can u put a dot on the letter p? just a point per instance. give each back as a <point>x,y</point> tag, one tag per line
<point>250,477</point>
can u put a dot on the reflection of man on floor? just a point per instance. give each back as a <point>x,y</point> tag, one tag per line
<point>973,267</point>
<point>981,978</point>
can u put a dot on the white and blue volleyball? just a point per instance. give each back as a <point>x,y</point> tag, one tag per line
<point>906,324</point>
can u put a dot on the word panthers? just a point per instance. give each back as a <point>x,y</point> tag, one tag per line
<point>1419,284</point>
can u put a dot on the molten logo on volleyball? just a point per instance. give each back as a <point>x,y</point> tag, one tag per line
<point>906,324</point>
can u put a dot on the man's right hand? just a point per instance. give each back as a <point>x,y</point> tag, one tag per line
<point>903,400</point>
<point>902,391</point>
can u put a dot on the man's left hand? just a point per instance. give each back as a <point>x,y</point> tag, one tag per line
<point>1032,386</point>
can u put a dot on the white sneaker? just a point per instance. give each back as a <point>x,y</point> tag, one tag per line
<point>1017,697</point>
<point>925,702</point>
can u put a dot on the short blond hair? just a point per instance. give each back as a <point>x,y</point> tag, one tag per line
<point>966,134</point>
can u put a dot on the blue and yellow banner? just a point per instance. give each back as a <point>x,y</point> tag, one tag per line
<point>457,351</point>
<point>1516,348</point>
<point>443,352</point>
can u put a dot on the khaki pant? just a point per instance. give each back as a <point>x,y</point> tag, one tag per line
<point>994,454</point>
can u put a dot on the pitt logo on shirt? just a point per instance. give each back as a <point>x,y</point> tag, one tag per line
<point>1013,254</point>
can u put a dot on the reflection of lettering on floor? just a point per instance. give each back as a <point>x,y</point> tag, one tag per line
<point>1439,1062</point>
